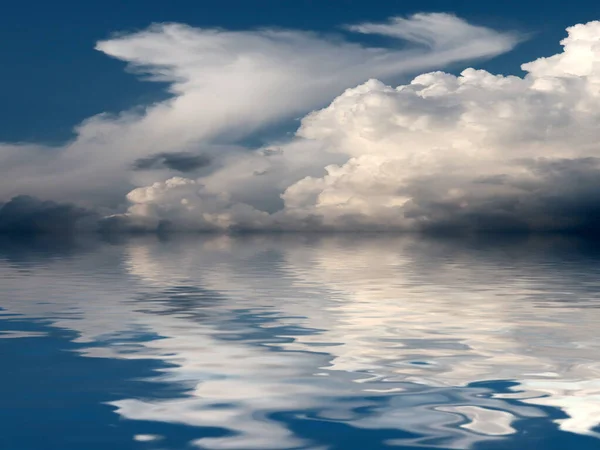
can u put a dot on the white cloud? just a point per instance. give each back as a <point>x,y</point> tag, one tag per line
<point>474,151</point>
<point>226,85</point>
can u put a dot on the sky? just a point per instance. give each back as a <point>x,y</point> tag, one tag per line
<point>53,78</point>
<point>262,115</point>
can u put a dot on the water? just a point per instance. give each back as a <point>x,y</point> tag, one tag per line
<point>299,342</point>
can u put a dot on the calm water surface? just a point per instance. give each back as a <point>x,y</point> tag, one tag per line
<point>299,342</point>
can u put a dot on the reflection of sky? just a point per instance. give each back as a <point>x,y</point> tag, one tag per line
<point>376,333</point>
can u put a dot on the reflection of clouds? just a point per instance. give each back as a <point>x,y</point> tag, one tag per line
<point>15,334</point>
<point>146,437</point>
<point>458,321</point>
<point>578,398</point>
<point>470,319</point>
<point>232,385</point>
<point>466,320</point>
<point>484,421</point>
<point>254,326</point>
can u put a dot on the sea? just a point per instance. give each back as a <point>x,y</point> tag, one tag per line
<point>299,341</point>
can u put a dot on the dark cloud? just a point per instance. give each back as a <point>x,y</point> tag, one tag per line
<point>25,215</point>
<point>559,195</point>
<point>179,161</point>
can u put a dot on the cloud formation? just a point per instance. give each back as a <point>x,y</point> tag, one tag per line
<point>471,152</point>
<point>476,150</point>
<point>24,214</point>
<point>179,161</point>
<point>225,86</point>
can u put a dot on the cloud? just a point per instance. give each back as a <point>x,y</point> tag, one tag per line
<point>475,151</point>
<point>178,161</point>
<point>471,152</point>
<point>436,31</point>
<point>226,86</point>
<point>24,214</point>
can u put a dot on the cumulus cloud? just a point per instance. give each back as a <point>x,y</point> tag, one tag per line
<point>471,152</point>
<point>226,86</point>
<point>476,151</point>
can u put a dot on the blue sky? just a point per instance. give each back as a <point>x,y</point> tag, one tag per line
<point>52,78</point>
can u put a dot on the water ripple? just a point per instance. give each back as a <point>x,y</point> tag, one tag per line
<point>328,342</point>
